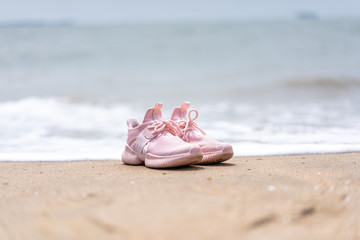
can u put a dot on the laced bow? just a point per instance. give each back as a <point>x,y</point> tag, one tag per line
<point>162,126</point>
<point>190,124</point>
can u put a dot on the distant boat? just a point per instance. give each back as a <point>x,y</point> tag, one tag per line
<point>306,15</point>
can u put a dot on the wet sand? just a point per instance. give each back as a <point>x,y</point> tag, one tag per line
<point>277,197</point>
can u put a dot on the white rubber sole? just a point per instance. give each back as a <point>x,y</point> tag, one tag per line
<point>153,161</point>
<point>218,156</point>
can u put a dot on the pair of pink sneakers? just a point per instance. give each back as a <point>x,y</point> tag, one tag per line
<point>159,143</point>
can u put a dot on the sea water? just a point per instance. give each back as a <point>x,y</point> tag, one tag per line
<point>267,87</point>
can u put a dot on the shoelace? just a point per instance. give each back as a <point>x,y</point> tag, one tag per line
<point>185,125</point>
<point>162,126</point>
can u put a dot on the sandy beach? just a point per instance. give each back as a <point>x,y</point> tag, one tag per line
<point>277,197</point>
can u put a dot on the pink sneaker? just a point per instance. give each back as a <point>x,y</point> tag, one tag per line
<point>155,142</point>
<point>212,150</point>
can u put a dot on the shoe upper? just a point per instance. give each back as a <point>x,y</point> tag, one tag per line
<point>156,136</point>
<point>191,132</point>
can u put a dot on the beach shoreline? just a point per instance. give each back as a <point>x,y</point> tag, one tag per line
<point>272,197</point>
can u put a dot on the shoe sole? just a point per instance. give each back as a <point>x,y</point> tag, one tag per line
<point>153,161</point>
<point>218,156</point>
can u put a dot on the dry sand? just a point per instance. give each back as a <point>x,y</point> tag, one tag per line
<point>279,197</point>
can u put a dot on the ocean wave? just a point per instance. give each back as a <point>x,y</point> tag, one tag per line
<point>300,89</point>
<point>58,129</point>
<point>322,83</point>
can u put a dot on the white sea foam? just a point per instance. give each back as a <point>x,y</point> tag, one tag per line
<point>55,129</point>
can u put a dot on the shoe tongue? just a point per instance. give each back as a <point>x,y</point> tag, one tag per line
<point>153,113</point>
<point>179,113</point>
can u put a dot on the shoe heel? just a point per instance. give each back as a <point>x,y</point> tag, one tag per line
<point>131,157</point>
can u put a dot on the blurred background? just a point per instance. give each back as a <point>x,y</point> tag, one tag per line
<point>270,77</point>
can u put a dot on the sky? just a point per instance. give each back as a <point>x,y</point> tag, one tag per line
<point>93,11</point>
